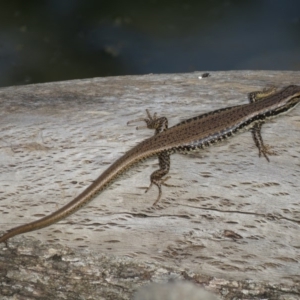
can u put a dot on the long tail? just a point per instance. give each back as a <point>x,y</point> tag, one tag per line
<point>129,159</point>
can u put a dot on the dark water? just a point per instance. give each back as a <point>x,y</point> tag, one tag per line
<point>54,40</point>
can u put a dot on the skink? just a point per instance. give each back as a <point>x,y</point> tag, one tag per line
<point>190,135</point>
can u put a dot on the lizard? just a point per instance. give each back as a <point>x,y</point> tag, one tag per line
<point>189,135</point>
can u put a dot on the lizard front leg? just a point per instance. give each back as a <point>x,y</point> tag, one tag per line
<point>256,129</point>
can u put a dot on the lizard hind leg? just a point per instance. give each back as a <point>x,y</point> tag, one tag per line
<point>152,122</point>
<point>156,177</point>
<point>159,125</point>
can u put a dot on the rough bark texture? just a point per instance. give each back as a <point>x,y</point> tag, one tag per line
<point>230,223</point>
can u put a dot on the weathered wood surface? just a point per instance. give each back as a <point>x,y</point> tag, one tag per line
<point>232,215</point>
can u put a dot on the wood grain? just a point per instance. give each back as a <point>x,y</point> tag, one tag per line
<point>231,214</point>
